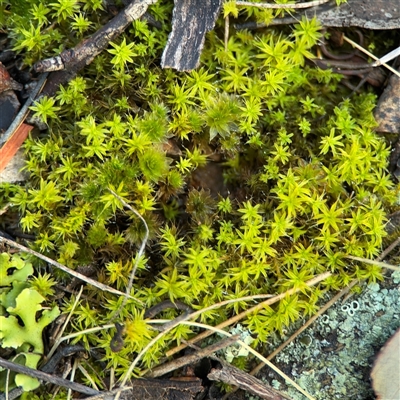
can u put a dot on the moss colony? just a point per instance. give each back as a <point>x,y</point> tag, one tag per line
<point>304,175</point>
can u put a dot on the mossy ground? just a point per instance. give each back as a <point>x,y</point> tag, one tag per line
<point>334,357</point>
<point>305,179</point>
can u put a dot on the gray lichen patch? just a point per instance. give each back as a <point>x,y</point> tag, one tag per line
<point>334,357</point>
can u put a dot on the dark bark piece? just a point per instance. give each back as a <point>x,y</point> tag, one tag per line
<point>369,14</point>
<point>192,19</point>
<point>236,377</point>
<point>387,112</point>
<point>155,389</point>
<point>9,106</point>
<point>22,369</point>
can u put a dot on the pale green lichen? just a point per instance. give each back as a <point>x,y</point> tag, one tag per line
<point>237,350</point>
<point>345,342</point>
<point>22,319</point>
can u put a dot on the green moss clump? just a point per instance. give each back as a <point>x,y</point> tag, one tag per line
<point>305,169</point>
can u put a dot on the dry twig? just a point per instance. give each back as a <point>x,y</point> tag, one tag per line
<point>66,269</point>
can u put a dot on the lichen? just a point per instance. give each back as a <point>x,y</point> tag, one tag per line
<point>344,345</point>
<point>21,326</point>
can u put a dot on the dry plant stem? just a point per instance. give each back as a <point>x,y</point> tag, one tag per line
<point>19,119</point>
<point>311,282</point>
<point>72,377</point>
<point>357,46</point>
<point>138,257</point>
<point>90,330</point>
<point>282,6</point>
<point>238,317</point>
<point>388,57</point>
<point>21,369</point>
<point>254,352</point>
<point>108,394</point>
<point>66,269</point>
<point>389,249</point>
<point>372,262</point>
<point>328,305</point>
<point>58,337</point>
<point>87,376</point>
<point>226,34</point>
<point>191,358</point>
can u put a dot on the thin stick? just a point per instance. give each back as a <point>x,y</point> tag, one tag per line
<point>192,358</point>
<point>212,329</point>
<point>234,376</point>
<point>357,46</point>
<point>57,338</point>
<point>138,256</point>
<point>226,34</point>
<point>66,269</point>
<point>373,262</point>
<point>388,57</point>
<point>282,6</point>
<point>110,393</point>
<point>328,305</point>
<point>22,369</point>
<point>389,249</point>
<point>89,330</point>
<point>207,333</point>
<point>238,317</point>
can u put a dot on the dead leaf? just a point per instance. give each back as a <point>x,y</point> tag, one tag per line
<point>385,374</point>
<point>12,145</point>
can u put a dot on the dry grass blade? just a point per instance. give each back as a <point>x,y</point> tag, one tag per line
<point>254,352</point>
<point>240,316</point>
<point>66,269</point>
<point>372,262</point>
<point>138,257</point>
<point>357,46</point>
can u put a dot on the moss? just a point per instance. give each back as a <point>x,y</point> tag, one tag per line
<point>305,169</point>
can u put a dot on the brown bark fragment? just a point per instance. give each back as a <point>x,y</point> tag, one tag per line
<point>192,19</point>
<point>236,377</point>
<point>369,14</point>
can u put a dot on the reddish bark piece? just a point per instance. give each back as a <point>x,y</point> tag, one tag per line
<point>6,82</point>
<point>191,20</point>
<point>12,145</point>
<point>385,374</point>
